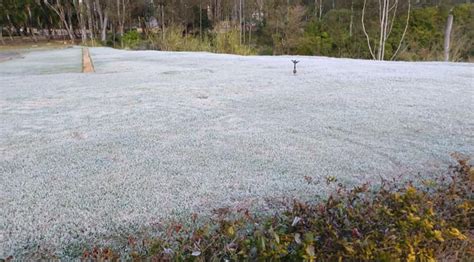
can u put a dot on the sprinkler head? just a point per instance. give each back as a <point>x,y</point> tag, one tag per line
<point>294,65</point>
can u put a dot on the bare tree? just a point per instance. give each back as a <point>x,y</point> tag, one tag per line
<point>103,19</point>
<point>162,8</point>
<point>60,10</point>
<point>318,9</point>
<point>121,18</point>
<point>240,20</point>
<point>30,20</point>
<point>79,6</point>
<point>90,22</point>
<point>387,14</point>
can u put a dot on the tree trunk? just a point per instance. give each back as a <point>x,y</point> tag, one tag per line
<point>79,6</point>
<point>1,35</point>
<point>351,25</point>
<point>11,26</point>
<point>382,26</point>
<point>121,19</point>
<point>447,37</point>
<point>250,35</point>
<point>404,31</point>
<point>163,23</point>
<point>320,10</point>
<point>200,20</point>
<point>29,22</point>
<point>103,37</point>
<point>103,20</point>
<point>90,23</point>
<point>240,20</point>
<point>243,21</point>
<point>365,31</point>
<point>59,10</point>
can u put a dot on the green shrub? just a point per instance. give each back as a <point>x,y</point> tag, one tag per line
<point>221,42</point>
<point>131,39</point>
<point>396,222</point>
<point>174,40</point>
<point>229,43</point>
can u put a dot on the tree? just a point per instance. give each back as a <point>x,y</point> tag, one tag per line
<point>447,36</point>
<point>102,12</point>
<point>387,14</point>
<point>63,10</point>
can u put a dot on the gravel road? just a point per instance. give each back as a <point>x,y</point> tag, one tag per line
<point>155,135</point>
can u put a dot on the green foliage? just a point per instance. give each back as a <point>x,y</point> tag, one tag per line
<point>229,42</point>
<point>131,39</point>
<point>393,223</point>
<point>278,28</point>
<point>426,33</point>
<point>315,41</point>
<point>176,40</point>
<point>332,35</point>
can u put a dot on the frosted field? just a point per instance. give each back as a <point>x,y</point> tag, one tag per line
<point>156,135</point>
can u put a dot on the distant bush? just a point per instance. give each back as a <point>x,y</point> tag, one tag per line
<point>131,39</point>
<point>229,43</point>
<point>176,39</point>
<point>396,222</point>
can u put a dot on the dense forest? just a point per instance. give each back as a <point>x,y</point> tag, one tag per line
<point>370,29</point>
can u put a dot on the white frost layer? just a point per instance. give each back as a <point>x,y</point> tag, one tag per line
<point>152,135</point>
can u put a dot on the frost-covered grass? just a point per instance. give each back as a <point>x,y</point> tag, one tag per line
<point>155,135</point>
<point>28,62</point>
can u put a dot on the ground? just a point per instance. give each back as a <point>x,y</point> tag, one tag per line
<point>159,135</point>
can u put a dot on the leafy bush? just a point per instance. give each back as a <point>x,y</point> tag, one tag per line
<point>229,42</point>
<point>393,223</point>
<point>175,40</point>
<point>131,39</point>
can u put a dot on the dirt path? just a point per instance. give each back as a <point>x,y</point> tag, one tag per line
<point>87,65</point>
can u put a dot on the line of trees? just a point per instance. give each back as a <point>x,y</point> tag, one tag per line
<point>375,29</point>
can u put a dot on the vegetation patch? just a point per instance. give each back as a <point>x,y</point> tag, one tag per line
<point>396,222</point>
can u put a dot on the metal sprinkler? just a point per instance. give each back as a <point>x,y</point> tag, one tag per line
<point>294,65</point>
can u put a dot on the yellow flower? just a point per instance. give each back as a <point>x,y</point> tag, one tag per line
<point>411,190</point>
<point>430,211</point>
<point>466,205</point>
<point>413,218</point>
<point>231,230</point>
<point>438,235</point>
<point>310,250</point>
<point>454,232</point>
<point>397,197</point>
<point>349,249</point>
<point>427,224</point>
